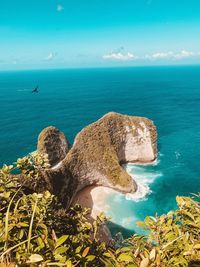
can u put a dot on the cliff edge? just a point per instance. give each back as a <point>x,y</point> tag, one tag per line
<point>98,152</point>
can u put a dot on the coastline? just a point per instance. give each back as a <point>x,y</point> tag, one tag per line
<point>94,198</point>
<point>100,198</point>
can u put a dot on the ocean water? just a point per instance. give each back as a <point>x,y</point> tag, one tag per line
<point>71,99</point>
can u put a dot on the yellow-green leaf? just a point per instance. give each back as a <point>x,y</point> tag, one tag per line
<point>69,263</point>
<point>61,250</point>
<point>61,240</point>
<point>35,258</point>
<point>125,257</point>
<point>91,257</point>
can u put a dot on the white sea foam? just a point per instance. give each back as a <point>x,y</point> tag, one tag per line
<point>156,162</point>
<point>23,90</point>
<point>117,197</point>
<point>177,154</point>
<point>127,222</point>
<point>143,178</point>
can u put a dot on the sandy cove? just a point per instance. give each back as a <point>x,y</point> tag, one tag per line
<point>94,197</point>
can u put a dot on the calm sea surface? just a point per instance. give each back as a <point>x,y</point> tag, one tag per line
<point>71,99</point>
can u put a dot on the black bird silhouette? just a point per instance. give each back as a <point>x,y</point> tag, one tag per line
<point>36,89</point>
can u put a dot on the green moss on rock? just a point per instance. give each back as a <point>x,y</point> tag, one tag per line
<point>97,153</point>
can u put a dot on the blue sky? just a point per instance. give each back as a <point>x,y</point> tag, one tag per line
<point>97,33</point>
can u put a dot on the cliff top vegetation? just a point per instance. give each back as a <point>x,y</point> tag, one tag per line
<point>35,229</point>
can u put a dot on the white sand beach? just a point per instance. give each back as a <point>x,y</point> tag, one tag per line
<point>94,197</point>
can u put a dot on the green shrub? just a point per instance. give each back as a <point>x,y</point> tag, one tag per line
<point>35,230</point>
<point>173,239</point>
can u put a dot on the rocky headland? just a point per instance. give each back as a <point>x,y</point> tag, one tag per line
<point>97,155</point>
<point>53,142</point>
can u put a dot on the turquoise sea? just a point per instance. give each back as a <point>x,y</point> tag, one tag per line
<point>71,99</point>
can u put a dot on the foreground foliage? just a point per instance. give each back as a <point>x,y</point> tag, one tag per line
<point>173,239</point>
<point>35,230</point>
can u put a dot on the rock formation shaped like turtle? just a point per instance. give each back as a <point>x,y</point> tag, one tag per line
<point>98,152</point>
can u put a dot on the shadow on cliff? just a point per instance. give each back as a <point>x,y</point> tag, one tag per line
<point>116,228</point>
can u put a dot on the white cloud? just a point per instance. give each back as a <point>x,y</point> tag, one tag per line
<point>51,56</point>
<point>120,56</point>
<point>184,54</point>
<point>60,8</point>
<point>171,55</point>
<point>160,55</point>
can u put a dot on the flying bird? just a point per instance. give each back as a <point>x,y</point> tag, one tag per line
<point>36,89</point>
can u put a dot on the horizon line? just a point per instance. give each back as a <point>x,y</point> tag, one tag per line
<point>102,67</point>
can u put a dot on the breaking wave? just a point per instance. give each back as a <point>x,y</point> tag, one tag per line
<point>143,177</point>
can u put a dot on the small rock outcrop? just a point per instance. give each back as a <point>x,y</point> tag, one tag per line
<point>54,143</point>
<point>98,152</point>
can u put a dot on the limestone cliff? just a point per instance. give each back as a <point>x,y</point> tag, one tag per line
<point>54,143</point>
<point>98,152</point>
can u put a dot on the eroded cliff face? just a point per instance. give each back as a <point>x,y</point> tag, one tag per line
<point>98,152</point>
<point>53,142</point>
